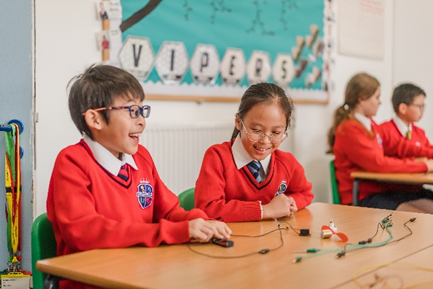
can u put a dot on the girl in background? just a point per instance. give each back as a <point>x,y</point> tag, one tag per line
<point>357,143</point>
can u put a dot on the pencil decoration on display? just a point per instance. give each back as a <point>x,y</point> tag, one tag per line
<point>105,28</point>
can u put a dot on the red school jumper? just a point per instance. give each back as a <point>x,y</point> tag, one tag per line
<point>389,130</point>
<point>90,208</point>
<point>357,149</point>
<point>224,191</point>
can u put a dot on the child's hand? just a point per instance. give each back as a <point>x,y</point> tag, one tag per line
<point>221,230</point>
<point>429,164</point>
<point>279,206</point>
<point>293,207</point>
<point>203,231</point>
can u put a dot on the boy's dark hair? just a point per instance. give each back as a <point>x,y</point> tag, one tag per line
<point>98,87</point>
<point>405,93</point>
<point>264,92</point>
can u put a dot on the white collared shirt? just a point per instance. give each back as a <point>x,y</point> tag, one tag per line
<point>242,158</point>
<point>106,159</point>
<point>365,121</point>
<point>402,127</point>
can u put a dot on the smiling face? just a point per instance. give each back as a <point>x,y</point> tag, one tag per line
<point>122,133</point>
<point>268,118</point>
<point>369,106</point>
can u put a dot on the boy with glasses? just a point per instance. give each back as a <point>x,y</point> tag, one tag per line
<point>105,191</point>
<point>408,101</point>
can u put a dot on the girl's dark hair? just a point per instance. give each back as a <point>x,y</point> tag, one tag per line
<point>261,93</point>
<point>360,87</point>
<point>98,87</point>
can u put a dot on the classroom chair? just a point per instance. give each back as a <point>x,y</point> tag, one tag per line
<point>334,185</point>
<point>43,246</point>
<point>186,199</point>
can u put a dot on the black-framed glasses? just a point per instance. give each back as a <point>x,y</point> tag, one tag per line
<point>134,110</point>
<point>256,135</point>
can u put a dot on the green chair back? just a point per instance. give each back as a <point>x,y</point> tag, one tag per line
<point>334,185</point>
<point>43,246</point>
<point>186,199</point>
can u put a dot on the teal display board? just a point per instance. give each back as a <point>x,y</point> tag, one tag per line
<point>226,43</point>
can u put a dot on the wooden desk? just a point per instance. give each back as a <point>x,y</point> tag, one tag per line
<point>407,272</point>
<point>404,178</point>
<point>176,266</point>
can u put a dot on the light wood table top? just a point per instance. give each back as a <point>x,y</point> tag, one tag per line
<point>176,266</point>
<point>416,178</point>
<point>414,271</point>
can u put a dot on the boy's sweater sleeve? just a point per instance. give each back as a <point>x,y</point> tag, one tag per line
<point>394,144</point>
<point>167,205</point>
<point>79,225</point>
<point>362,150</point>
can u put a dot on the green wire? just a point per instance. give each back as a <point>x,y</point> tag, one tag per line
<point>347,248</point>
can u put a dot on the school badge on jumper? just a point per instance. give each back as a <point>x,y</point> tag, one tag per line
<point>282,188</point>
<point>379,140</point>
<point>144,193</point>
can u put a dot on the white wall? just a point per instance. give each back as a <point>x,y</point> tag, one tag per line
<point>65,45</point>
<point>413,48</point>
<point>313,121</point>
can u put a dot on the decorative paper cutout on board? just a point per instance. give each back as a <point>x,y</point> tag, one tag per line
<point>233,66</point>
<point>172,62</point>
<point>136,56</point>
<point>231,44</point>
<point>205,64</point>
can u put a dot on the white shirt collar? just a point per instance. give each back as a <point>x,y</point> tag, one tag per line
<point>106,159</point>
<point>365,121</point>
<point>242,158</point>
<point>402,127</point>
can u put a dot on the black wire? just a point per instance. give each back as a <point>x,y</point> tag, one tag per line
<point>293,228</point>
<point>387,243</point>
<point>410,233</point>
<point>377,231</point>
<point>256,236</point>
<point>263,251</point>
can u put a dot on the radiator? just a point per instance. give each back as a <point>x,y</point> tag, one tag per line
<point>178,149</point>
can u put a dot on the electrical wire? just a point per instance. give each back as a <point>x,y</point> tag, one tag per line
<point>386,278</point>
<point>405,236</point>
<point>263,251</point>
<point>352,247</point>
<point>299,233</point>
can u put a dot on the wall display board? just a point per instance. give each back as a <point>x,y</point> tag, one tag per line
<point>361,28</point>
<point>213,50</point>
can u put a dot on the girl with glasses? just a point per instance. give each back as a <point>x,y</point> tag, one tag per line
<point>248,178</point>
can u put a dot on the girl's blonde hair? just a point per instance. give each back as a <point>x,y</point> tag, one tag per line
<point>361,86</point>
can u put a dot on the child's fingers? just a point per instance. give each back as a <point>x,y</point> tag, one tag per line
<point>221,230</point>
<point>201,230</point>
<point>225,231</point>
<point>204,235</point>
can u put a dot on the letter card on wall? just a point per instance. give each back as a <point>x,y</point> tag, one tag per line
<point>217,48</point>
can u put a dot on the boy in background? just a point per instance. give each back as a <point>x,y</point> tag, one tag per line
<point>408,101</point>
<point>105,191</point>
